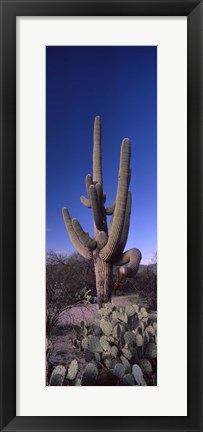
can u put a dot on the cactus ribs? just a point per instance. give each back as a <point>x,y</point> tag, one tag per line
<point>106,248</point>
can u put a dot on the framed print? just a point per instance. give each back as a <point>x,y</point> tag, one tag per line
<point>134,71</point>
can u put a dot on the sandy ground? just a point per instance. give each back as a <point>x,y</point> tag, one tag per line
<point>76,314</point>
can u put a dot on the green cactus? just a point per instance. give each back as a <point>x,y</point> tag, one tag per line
<point>134,322</point>
<point>128,380</point>
<point>121,354</point>
<point>97,357</point>
<point>77,382</point>
<point>106,327</point>
<point>90,375</point>
<point>119,370</point>
<point>136,307</point>
<point>97,330</point>
<point>58,376</point>
<point>139,340</point>
<point>84,343</point>
<point>88,355</point>
<point>104,312</point>
<point>109,306</point>
<point>129,338</point>
<point>72,370</point>
<point>122,316</point>
<point>138,375</point>
<point>151,350</point>
<point>150,330</point>
<point>107,246</point>
<point>107,363</point>
<point>118,331</point>
<point>114,351</point>
<point>154,325</point>
<point>94,344</point>
<point>146,366</point>
<point>126,364</point>
<point>105,344</point>
<point>127,353</point>
<point>129,310</point>
<point>144,312</point>
<point>83,324</point>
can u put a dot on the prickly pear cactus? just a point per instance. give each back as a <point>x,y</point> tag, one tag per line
<point>151,350</point>
<point>58,376</point>
<point>90,375</point>
<point>138,375</point>
<point>128,380</point>
<point>94,344</point>
<point>127,352</point>
<point>146,366</point>
<point>122,354</point>
<point>107,246</point>
<point>72,370</point>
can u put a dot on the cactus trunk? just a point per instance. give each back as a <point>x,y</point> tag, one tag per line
<point>106,248</point>
<point>103,273</point>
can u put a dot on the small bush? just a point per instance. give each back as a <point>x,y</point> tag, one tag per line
<point>66,277</point>
<point>145,284</point>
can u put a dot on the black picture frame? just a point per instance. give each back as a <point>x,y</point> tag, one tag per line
<point>193,9</point>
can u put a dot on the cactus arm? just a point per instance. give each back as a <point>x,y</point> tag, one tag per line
<point>96,209</point>
<point>99,195</point>
<point>85,201</point>
<point>82,250</point>
<point>129,262</point>
<point>126,225</point>
<point>111,208</point>
<point>97,168</point>
<point>83,236</point>
<point>110,249</point>
<point>88,183</point>
<point>102,238</point>
<point>129,177</point>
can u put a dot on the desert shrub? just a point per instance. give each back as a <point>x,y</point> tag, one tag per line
<point>68,283</point>
<point>73,271</point>
<point>120,284</point>
<point>120,348</point>
<point>145,284</point>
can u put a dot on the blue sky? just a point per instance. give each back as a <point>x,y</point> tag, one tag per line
<point>120,85</point>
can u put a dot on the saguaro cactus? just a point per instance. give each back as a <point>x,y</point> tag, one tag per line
<point>106,248</point>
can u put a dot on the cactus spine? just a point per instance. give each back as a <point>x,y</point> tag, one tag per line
<point>106,248</point>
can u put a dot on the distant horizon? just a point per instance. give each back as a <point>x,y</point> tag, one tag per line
<point>68,254</point>
<point>119,84</point>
